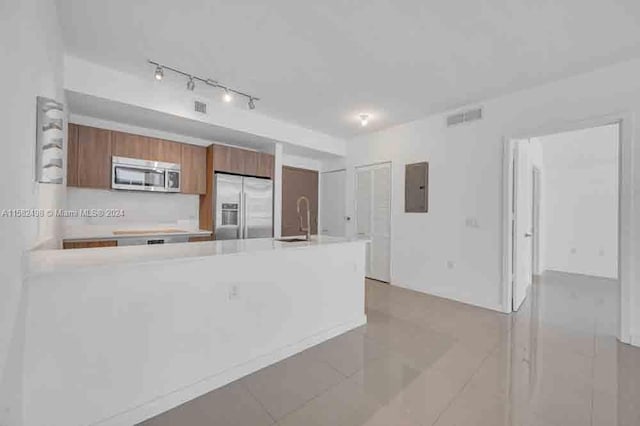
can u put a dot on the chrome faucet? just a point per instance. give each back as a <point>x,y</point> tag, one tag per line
<point>308,228</point>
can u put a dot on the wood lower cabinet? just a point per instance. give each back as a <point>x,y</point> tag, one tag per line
<point>297,182</point>
<point>93,158</point>
<point>89,244</point>
<point>194,169</point>
<point>197,239</point>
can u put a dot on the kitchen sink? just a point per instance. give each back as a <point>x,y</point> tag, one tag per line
<point>291,240</point>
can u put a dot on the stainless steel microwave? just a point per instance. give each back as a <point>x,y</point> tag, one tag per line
<point>143,175</point>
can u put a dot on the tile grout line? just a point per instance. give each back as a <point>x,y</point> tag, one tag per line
<point>258,401</point>
<point>464,386</point>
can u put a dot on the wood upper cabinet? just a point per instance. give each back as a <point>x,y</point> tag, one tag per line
<point>146,148</point>
<point>243,161</point>
<point>265,165</point>
<point>193,166</point>
<point>131,146</point>
<point>249,162</point>
<point>93,157</point>
<point>167,151</point>
<point>72,155</point>
<point>229,160</point>
<point>89,152</point>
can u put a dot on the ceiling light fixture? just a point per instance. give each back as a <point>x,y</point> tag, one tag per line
<point>364,120</point>
<point>191,83</point>
<point>159,73</point>
<point>227,96</point>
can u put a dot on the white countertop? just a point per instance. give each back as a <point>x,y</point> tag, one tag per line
<point>94,232</point>
<point>49,261</point>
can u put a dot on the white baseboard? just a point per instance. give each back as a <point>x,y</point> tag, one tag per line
<point>207,384</point>
<point>635,340</point>
<point>455,297</point>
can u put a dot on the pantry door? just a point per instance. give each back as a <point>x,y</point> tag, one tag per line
<point>373,217</point>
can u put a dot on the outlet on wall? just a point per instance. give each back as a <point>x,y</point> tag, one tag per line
<point>234,292</point>
<point>471,222</point>
<point>450,264</point>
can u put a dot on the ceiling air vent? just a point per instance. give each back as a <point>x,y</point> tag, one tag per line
<point>455,119</point>
<point>200,107</point>
<point>464,117</point>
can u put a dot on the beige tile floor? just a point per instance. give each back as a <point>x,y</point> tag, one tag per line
<point>422,361</point>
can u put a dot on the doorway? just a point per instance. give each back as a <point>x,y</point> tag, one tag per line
<point>373,217</point>
<point>332,202</point>
<point>564,214</point>
<point>522,207</point>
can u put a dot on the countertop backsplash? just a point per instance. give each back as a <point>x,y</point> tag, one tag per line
<point>142,209</point>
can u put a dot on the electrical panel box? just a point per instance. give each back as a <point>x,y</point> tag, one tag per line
<point>416,188</point>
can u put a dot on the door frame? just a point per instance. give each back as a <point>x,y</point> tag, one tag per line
<point>536,219</point>
<point>391,198</point>
<point>515,152</point>
<point>626,252</point>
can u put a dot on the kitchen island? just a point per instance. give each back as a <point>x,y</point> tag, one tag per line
<point>119,334</point>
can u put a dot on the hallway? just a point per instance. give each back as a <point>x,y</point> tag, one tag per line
<point>424,360</point>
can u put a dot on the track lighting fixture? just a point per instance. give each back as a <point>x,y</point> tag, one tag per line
<point>191,83</point>
<point>227,96</point>
<point>159,73</point>
<point>364,120</point>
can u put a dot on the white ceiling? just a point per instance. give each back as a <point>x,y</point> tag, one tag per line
<point>319,64</point>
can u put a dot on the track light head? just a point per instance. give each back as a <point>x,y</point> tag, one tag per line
<point>159,73</point>
<point>227,96</point>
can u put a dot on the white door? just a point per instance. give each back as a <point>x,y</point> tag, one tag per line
<point>373,217</point>
<point>523,223</point>
<point>332,203</point>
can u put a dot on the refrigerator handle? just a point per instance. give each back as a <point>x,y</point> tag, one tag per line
<point>245,231</point>
<point>240,216</point>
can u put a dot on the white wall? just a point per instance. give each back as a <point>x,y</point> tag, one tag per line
<point>140,208</point>
<point>581,201</point>
<point>466,166</point>
<point>301,162</point>
<point>32,57</point>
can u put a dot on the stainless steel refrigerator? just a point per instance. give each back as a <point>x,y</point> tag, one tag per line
<point>244,207</point>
